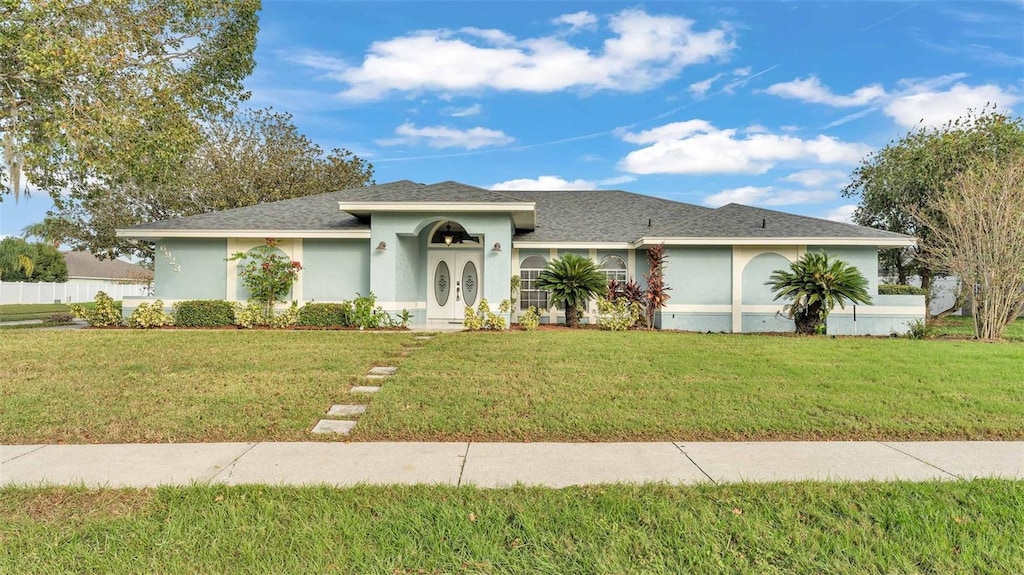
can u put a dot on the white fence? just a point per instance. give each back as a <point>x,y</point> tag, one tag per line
<point>69,292</point>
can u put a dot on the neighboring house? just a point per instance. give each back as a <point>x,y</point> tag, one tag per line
<point>85,268</point>
<point>433,249</point>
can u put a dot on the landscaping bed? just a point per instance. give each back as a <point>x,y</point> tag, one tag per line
<point>938,527</point>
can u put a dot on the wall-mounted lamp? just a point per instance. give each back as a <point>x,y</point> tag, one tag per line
<point>497,247</point>
<point>382,246</point>
<point>448,236</point>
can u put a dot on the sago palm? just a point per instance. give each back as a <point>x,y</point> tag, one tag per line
<point>814,285</point>
<point>572,280</point>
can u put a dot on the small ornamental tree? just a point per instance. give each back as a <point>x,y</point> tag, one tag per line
<point>572,280</point>
<point>814,285</point>
<point>657,291</point>
<point>267,274</point>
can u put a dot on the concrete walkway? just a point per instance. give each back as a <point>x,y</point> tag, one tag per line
<point>503,464</point>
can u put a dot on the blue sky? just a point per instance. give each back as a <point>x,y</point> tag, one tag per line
<point>763,103</point>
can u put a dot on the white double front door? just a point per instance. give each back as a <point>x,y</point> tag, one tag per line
<point>455,279</point>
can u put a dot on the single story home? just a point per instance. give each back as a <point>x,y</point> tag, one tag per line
<point>433,249</point>
<point>85,268</point>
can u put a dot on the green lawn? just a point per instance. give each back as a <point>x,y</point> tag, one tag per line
<point>940,527</point>
<point>96,386</point>
<point>114,386</point>
<point>589,385</point>
<point>21,311</point>
<point>959,326</point>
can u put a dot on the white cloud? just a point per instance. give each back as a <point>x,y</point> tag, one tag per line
<point>546,183</point>
<point>744,71</point>
<point>700,88</point>
<point>473,110</point>
<point>842,213</point>
<point>644,51</point>
<point>445,137</point>
<point>767,196</point>
<point>811,90</point>
<point>697,147</point>
<point>926,101</point>
<point>816,178</point>
<point>936,107</point>
<point>577,21</point>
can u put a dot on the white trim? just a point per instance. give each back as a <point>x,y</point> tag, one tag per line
<point>526,245</point>
<point>399,305</point>
<point>552,310</point>
<point>342,234</point>
<point>785,241</point>
<point>231,285</point>
<point>875,310</point>
<point>697,308</point>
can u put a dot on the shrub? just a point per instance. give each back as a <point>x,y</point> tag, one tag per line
<point>484,319</point>
<point>530,318</point>
<point>204,313</point>
<point>326,314</point>
<point>107,312</point>
<point>150,315</point>
<point>60,318</point>
<point>633,293</point>
<point>619,315</point>
<point>814,285</point>
<point>920,329</point>
<point>287,318</point>
<point>366,314</point>
<point>250,315</point>
<point>900,289</point>
<point>268,274</point>
<point>571,280</point>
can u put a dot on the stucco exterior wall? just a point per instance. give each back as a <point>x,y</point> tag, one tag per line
<point>335,270</point>
<point>190,268</point>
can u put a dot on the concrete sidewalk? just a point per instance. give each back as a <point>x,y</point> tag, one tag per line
<point>503,464</point>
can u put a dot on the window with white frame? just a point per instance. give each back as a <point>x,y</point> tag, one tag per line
<point>529,269</point>
<point>614,268</point>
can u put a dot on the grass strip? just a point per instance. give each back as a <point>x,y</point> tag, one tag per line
<point>938,527</point>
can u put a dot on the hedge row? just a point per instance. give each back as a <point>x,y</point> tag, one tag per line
<point>899,289</point>
<point>204,313</point>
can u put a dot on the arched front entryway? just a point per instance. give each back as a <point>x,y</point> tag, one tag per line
<point>454,272</point>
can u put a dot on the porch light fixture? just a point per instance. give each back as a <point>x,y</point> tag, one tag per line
<point>448,236</point>
<point>497,247</point>
<point>382,246</point>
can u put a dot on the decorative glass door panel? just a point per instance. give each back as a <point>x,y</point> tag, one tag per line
<point>470,283</point>
<point>454,282</point>
<point>442,283</point>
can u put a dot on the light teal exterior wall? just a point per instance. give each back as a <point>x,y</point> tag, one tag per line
<point>864,259</point>
<point>698,275</point>
<point>694,321</point>
<point>335,269</point>
<point>767,322</point>
<point>756,273</point>
<point>397,274</point>
<point>190,268</point>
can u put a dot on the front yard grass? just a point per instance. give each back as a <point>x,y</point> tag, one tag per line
<point>119,386</point>
<point>24,311</point>
<point>963,326</point>
<point>588,385</point>
<point>938,527</point>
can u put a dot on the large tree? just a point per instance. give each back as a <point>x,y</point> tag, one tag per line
<point>21,261</point>
<point>249,158</point>
<point>115,90</point>
<point>981,240</point>
<point>901,180</point>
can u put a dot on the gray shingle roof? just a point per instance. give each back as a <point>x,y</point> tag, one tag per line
<point>562,216</point>
<point>85,265</point>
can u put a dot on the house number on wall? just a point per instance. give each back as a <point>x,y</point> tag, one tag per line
<point>170,258</point>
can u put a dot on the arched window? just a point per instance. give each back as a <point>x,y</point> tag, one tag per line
<point>452,233</point>
<point>614,268</point>
<point>529,269</point>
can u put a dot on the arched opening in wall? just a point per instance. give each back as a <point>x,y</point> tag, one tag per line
<point>529,295</point>
<point>448,233</point>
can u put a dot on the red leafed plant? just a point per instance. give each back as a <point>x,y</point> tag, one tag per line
<point>657,291</point>
<point>267,273</point>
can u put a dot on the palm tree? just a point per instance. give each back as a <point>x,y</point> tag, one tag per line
<point>47,231</point>
<point>573,280</point>
<point>814,285</point>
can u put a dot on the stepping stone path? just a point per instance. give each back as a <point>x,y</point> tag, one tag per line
<point>334,426</point>
<point>342,410</point>
<point>344,427</point>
